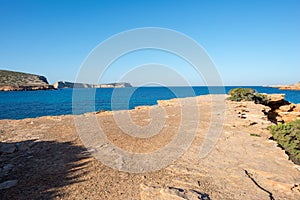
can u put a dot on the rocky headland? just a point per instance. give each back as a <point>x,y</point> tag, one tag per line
<point>44,158</point>
<point>18,81</point>
<point>295,86</point>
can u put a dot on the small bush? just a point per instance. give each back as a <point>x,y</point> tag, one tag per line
<point>240,94</point>
<point>247,94</point>
<point>254,134</point>
<point>288,137</point>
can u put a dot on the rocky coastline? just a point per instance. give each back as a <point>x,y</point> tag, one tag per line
<point>19,81</point>
<point>66,84</point>
<point>26,88</point>
<point>44,158</point>
<point>295,86</point>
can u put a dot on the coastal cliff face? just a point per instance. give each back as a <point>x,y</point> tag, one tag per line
<point>16,81</point>
<point>65,84</point>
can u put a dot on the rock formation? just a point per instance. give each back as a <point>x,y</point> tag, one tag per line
<point>65,84</point>
<point>280,110</point>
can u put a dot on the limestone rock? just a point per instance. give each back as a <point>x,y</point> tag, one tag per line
<point>289,116</point>
<point>287,108</point>
<point>275,97</point>
<point>297,108</point>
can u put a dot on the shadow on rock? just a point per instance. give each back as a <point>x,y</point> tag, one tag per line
<point>39,169</point>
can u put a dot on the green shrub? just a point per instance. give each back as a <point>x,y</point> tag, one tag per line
<point>246,94</point>
<point>288,137</point>
<point>242,94</point>
<point>254,134</point>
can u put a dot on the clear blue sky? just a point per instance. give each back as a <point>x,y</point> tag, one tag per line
<point>252,42</point>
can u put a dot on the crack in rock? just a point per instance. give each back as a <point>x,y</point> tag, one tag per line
<point>260,187</point>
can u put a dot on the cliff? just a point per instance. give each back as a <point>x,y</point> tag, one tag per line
<point>65,84</point>
<point>15,81</point>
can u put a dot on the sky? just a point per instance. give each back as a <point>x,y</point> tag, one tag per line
<point>251,42</point>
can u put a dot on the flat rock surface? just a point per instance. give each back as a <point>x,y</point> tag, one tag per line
<point>217,149</point>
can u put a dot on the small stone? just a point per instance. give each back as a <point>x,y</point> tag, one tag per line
<point>8,184</point>
<point>8,148</point>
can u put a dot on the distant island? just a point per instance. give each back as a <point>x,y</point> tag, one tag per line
<point>65,84</point>
<point>19,81</point>
<point>295,86</point>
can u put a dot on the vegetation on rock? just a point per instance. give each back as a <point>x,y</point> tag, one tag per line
<point>288,137</point>
<point>11,78</point>
<point>246,94</point>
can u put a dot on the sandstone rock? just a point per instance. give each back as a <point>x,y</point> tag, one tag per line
<point>8,184</point>
<point>289,116</point>
<point>287,108</point>
<point>275,97</point>
<point>297,108</point>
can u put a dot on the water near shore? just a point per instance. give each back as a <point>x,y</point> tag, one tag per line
<point>29,104</point>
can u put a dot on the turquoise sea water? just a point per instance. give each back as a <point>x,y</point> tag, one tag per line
<point>29,104</point>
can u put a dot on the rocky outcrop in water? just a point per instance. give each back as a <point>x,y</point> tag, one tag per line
<point>65,84</point>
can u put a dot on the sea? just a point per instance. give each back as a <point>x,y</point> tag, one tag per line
<point>31,104</point>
